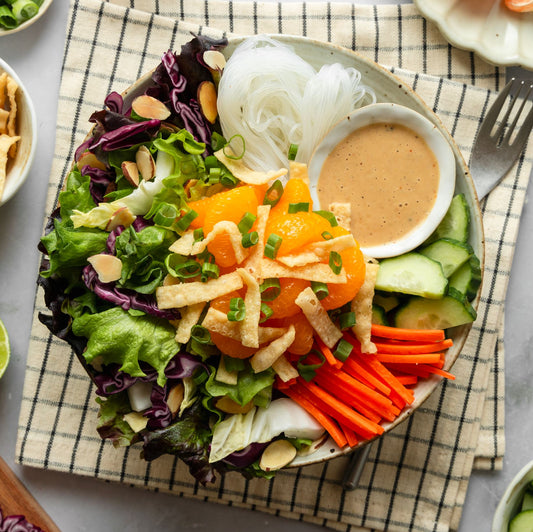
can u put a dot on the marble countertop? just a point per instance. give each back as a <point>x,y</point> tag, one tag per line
<point>78,504</point>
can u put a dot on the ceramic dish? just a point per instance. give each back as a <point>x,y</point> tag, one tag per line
<point>19,168</point>
<point>495,33</point>
<point>511,501</point>
<point>388,88</point>
<point>391,113</point>
<point>42,9</point>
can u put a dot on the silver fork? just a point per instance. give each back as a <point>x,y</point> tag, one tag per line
<point>497,146</point>
<point>499,143</point>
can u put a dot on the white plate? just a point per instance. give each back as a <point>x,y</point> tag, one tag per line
<point>388,88</point>
<point>487,27</point>
<point>44,6</point>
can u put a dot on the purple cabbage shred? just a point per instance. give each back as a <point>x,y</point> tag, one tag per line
<point>16,523</point>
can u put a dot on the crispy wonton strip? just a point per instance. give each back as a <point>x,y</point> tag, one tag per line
<point>252,305</point>
<point>253,263</point>
<point>284,369</point>
<point>313,272</point>
<point>12,88</point>
<point>5,144</point>
<point>266,356</point>
<point>217,321</point>
<point>4,116</point>
<point>223,227</point>
<point>189,318</point>
<point>318,251</point>
<point>184,244</point>
<point>298,171</point>
<point>317,316</point>
<point>362,307</point>
<point>3,83</point>
<point>245,174</point>
<point>185,294</point>
<point>343,213</point>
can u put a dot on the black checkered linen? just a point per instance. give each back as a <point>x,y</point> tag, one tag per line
<point>416,476</point>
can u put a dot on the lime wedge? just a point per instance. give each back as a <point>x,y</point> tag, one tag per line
<point>5,351</point>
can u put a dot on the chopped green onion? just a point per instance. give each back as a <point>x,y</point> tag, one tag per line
<point>266,312</point>
<point>273,194</point>
<point>210,271</point>
<point>346,320</point>
<point>329,216</point>
<point>165,215</point>
<point>270,289</point>
<point>272,246</point>
<point>234,364</point>
<point>211,162</point>
<point>320,289</point>
<point>308,371</point>
<point>180,267</point>
<point>298,207</point>
<point>231,155</point>
<point>246,223</point>
<point>293,150</point>
<point>228,180</point>
<point>344,348</point>
<point>200,334</point>
<point>217,142</point>
<point>326,235</point>
<point>214,175</point>
<point>250,239</point>
<point>237,311</point>
<point>183,223</point>
<point>335,262</point>
<point>198,234</point>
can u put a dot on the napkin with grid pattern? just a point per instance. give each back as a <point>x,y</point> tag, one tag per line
<point>417,475</point>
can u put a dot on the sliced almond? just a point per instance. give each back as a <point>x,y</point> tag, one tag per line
<point>277,455</point>
<point>145,163</point>
<point>108,267</point>
<point>136,421</point>
<point>88,158</point>
<point>149,107</point>
<point>214,59</point>
<point>228,405</point>
<point>131,172</point>
<point>175,398</point>
<point>122,216</point>
<point>207,98</point>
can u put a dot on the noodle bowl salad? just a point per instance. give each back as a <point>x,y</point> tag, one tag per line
<point>221,318</point>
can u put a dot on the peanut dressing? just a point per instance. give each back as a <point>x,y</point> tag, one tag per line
<point>389,175</point>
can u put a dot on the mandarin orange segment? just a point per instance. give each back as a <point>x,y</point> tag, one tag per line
<point>297,230</point>
<point>354,265</point>
<point>284,305</point>
<point>303,341</point>
<point>230,205</point>
<point>295,191</point>
<point>200,207</point>
<point>226,345</point>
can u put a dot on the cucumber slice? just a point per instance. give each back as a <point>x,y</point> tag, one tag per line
<point>379,316</point>
<point>412,274</point>
<point>387,302</point>
<point>467,278</point>
<point>527,500</point>
<point>450,253</point>
<point>419,313</point>
<point>522,522</point>
<point>455,223</point>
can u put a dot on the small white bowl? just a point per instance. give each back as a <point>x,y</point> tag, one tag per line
<point>19,168</point>
<point>395,114</point>
<point>510,503</point>
<point>44,6</point>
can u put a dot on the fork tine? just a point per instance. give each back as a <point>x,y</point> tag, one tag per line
<point>518,114</point>
<point>523,134</point>
<point>494,111</point>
